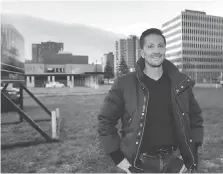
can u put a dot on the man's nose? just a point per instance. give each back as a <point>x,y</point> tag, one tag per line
<point>157,50</point>
<point>157,54</point>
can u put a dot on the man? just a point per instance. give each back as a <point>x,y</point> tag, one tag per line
<point>162,125</point>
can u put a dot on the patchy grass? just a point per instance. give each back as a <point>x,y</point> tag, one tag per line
<point>81,151</point>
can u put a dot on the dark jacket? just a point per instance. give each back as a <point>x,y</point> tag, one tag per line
<point>127,100</point>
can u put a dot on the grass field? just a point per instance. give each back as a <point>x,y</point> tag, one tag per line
<point>81,151</point>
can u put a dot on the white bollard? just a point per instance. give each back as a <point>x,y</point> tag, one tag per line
<point>57,112</point>
<point>54,124</point>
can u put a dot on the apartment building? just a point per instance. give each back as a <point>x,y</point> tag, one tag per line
<point>129,50</point>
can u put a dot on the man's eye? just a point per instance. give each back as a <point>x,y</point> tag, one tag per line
<point>150,46</point>
<point>161,46</point>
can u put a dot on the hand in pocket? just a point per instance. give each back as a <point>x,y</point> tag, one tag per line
<point>175,164</point>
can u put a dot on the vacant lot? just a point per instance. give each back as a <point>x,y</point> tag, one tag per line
<point>81,151</point>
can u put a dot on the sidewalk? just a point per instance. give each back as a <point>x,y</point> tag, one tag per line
<point>49,92</point>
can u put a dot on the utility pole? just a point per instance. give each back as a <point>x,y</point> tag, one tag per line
<point>96,65</point>
<point>195,63</point>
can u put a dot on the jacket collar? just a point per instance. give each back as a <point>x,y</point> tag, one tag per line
<point>177,78</point>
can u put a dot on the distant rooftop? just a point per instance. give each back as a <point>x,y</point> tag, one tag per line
<point>194,11</point>
<point>64,52</point>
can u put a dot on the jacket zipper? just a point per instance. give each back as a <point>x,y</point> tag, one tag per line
<point>145,105</point>
<point>182,122</point>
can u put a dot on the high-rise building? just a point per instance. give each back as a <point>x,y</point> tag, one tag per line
<point>132,51</point>
<point>195,44</point>
<point>129,50</point>
<point>108,58</point>
<point>120,52</point>
<point>38,50</point>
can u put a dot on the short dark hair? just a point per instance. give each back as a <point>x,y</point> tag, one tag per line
<point>148,32</point>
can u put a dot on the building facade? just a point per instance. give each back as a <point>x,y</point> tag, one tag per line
<point>38,50</point>
<point>132,44</point>
<point>129,50</point>
<point>108,58</point>
<point>12,55</point>
<point>13,41</point>
<point>120,52</point>
<point>195,44</point>
<point>70,72</point>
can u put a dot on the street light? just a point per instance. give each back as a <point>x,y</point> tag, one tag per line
<point>96,65</point>
<point>195,63</point>
<point>195,69</point>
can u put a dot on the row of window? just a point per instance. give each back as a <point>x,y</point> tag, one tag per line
<point>193,60</point>
<point>189,59</point>
<point>202,32</point>
<point>34,68</point>
<point>199,46</point>
<point>192,66</point>
<point>202,39</point>
<point>205,46</point>
<point>171,21</point>
<point>173,47</point>
<point>202,18</point>
<point>178,53</point>
<point>173,34</point>
<point>56,70</point>
<point>203,77</point>
<point>202,25</point>
<point>173,40</point>
<point>205,53</point>
<point>172,27</point>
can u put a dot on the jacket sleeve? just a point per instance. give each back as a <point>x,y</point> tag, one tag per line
<point>110,112</point>
<point>196,119</point>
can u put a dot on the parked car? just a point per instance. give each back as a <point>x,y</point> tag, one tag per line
<point>221,82</point>
<point>54,84</point>
<point>111,81</point>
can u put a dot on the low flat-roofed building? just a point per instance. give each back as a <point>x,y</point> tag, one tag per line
<point>69,70</point>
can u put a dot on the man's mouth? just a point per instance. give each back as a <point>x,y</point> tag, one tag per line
<point>157,56</point>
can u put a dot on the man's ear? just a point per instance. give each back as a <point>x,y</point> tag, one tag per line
<point>142,54</point>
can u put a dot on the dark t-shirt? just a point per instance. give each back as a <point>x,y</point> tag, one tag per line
<point>159,129</point>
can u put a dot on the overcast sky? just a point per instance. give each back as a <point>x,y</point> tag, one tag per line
<point>125,17</point>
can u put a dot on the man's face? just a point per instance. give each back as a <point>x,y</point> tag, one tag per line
<point>154,50</point>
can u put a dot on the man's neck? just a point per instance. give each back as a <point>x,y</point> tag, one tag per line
<point>153,72</point>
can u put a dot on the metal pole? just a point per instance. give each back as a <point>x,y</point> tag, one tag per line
<point>195,63</point>
<point>196,69</point>
<point>21,101</point>
<point>96,65</point>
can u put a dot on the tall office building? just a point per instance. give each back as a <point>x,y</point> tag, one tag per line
<point>129,50</point>
<point>38,50</point>
<point>108,58</point>
<point>195,44</point>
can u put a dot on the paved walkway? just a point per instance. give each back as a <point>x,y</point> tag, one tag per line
<point>43,92</point>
